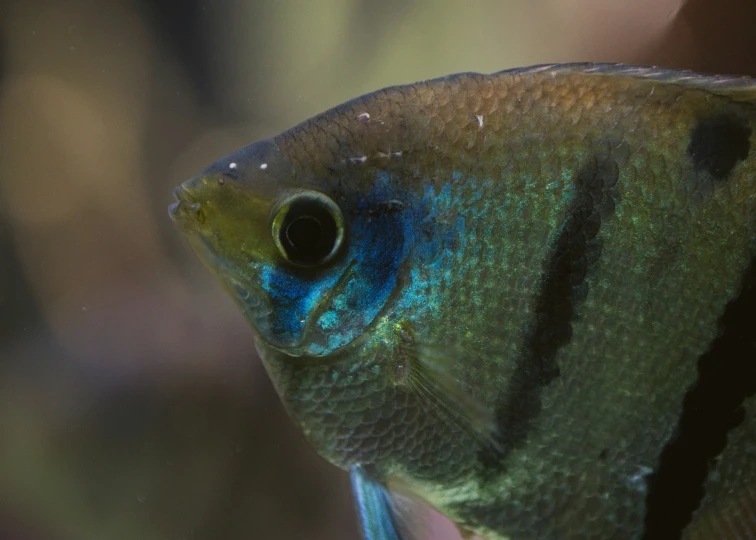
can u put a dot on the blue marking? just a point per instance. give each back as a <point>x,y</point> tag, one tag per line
<point>294,299</point>
<point>375,508</point>
<point>334,342</point>
<point>328,320</point>
<point>427,232</point>
<point>378,248</point>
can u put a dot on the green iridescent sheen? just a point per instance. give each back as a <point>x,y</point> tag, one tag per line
<point>533,262</point>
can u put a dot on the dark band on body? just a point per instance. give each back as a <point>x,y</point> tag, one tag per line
<point>718,143</point>
<point>575,250</point>
<point>712,407</point>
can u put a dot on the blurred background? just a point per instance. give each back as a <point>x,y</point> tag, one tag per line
<point>132,404</point>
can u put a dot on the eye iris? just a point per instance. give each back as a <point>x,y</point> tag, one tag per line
<point>309,233</point>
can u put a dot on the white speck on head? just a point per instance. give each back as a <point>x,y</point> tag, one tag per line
<point>364,117</point>
<point>360,159</point>
<point>263,166</point>
<point>232,165</point>
<point>480,120</point>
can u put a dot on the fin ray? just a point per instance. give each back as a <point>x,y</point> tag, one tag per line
<point>735,87</point>
<point>428,375</point>
<point>375,507</point>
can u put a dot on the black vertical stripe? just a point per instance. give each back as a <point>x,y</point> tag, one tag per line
<point>576,248</point>
<point>711,408</point>
<point>718,143</point>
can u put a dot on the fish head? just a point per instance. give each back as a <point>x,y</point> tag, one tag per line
<point>330,237</point>
<point>309,260</point>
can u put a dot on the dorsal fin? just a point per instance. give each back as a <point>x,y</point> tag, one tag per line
<point>735,87</point>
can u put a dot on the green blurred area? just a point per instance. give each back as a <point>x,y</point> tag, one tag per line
<point>132,404</point>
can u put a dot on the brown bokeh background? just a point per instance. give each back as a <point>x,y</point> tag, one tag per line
<point>132,405</point>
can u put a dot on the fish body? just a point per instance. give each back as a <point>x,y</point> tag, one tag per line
<point>526,299</point>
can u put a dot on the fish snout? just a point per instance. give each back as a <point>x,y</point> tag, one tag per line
<point>185,210</point>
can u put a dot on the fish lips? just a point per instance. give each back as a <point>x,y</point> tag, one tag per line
<point>185,212</point>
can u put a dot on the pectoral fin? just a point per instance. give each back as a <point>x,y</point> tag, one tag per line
<point>426,371</point>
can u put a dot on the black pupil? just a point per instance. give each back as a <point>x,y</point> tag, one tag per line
<point>309,233</point>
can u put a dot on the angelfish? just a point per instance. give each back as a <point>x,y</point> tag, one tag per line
<point>526,300</point>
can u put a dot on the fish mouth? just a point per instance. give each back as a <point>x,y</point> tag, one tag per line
<point>189,215</point>
<point>185,211</point>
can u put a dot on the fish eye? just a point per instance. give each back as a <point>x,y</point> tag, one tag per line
<point>308,228</point>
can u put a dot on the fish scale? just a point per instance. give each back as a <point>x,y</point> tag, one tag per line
<point>573,403</point>
<point>518,327</point>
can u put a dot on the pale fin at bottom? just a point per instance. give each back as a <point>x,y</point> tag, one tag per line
<point>377,512</point>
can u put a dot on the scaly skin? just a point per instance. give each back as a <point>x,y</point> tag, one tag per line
<point>566,241</point>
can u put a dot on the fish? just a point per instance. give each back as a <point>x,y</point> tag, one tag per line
<point>526,300</point>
